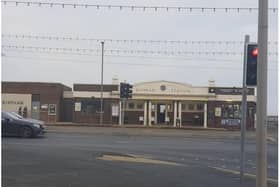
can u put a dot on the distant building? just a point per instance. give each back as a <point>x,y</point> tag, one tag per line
<point>153,103</point>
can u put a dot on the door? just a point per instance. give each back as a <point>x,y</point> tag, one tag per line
<point>35,112</point>
<point>161,108</point>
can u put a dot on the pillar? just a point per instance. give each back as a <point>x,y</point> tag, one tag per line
<point>175,114</point>
<point>150,113</point>
<point>120,112</point>
<point>145,113</point>
<point>155,114</point>
<point>180,113</point>
<point>205,116</point>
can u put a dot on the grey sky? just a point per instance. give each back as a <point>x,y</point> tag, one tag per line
<point>125,24</point>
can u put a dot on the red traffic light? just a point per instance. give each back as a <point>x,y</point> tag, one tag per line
<point>255,52</point>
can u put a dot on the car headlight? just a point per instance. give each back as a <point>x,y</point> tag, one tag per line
<point>36,125</point>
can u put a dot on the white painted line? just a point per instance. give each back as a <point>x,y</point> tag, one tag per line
<point>246,174</point>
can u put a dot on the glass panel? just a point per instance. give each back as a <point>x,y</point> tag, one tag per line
<point>199,106</point>
<point>191,106</point>
<point>131,105</point>
<point>139,106</point>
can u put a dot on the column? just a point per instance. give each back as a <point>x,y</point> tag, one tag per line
<point>120,112</point>
<point>145,113</point>
<point>150,113</point>
<point>175,113</point>
<point>205,116</point>
<point>180,113</point>
<point>155,114</point>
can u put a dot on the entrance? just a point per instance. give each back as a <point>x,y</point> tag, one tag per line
<point>161,108</point>
<point>35,106</point>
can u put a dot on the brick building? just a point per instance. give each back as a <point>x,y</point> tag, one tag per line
<point>41,100</point>
<point>153,103</point>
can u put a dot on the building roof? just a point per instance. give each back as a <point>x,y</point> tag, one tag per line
<point>95,87</point>
<point>7,85</point>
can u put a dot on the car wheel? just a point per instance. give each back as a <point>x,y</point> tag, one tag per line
<point>26,132</point>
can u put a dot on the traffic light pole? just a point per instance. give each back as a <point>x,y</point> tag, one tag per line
<point>244,110</point>
<point>262,95</point>
<point>123,107</point>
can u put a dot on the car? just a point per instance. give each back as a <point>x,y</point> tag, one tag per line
<point>30,119</point>
<point>15,126</point>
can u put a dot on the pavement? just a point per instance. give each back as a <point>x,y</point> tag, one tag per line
<point>100,157</point>
<point>159,132</point>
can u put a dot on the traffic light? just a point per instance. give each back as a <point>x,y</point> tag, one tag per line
<point>125,90</point>
<point>251,61</point>
<point>130,87</point>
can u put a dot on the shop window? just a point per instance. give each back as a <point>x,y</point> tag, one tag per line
<point>139,106</point>
<point>236,110</point>
<point>130,105</point>
<point>191,106</point>
<point>231,111</point>
<point>90,106</point>
<point>183,107</point>
<point>199,106</point>
<point>52,109</point>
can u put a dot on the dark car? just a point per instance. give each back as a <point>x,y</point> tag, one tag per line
<point>29,119</point>
<point>14,126</point>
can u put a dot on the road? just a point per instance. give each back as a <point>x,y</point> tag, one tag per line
<point>125,159</point>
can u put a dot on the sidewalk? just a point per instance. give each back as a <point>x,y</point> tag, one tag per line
<point>136,130</point>
<point>70,124</point>
<point>159,132</point>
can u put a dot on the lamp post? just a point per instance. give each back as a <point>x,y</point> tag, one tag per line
<point>101,86</point>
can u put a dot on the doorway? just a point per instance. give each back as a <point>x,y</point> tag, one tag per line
<point>161,110</point>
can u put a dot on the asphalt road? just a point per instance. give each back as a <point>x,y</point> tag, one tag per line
<point>78,159</point>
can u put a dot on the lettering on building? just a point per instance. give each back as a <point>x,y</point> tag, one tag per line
<point>12,102</point>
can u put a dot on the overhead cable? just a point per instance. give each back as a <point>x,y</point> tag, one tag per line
<point>137,7</point>
<point>73,38</point>
<point>122,51</point>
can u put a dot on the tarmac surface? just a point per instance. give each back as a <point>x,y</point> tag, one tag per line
<point>119,157</point>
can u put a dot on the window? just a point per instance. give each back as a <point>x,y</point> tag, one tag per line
<point>191,106</point>
<point>139,106</point>
<point>183,106</point>
<point>199,106</point>
<point>131,105</point>
<point>237,111</point>
<point>231,111</point>
<point>90,106</point>
<point>52,109</point>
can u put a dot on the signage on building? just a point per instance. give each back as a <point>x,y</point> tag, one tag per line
<point>218,111</point>
<point>230,122</point>
<point>52,109</point>
<point>163,88</point>
<point>115,110</point>
<point>78,107</point>
<point>11,102</point>
<point>44,106</point>
<point>230,91</point>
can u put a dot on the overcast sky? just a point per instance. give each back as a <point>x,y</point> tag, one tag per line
<point>194,69</point>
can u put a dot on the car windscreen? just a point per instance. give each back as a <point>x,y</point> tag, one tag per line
<point>9,115</point>
<point>16,115</point>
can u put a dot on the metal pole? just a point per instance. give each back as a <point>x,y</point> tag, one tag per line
<point>243,110</point>
<point>262,94</point>
<point>124,105</point>
<point>101,87</point>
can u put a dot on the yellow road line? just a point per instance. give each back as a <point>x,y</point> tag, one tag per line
<point>245,174</point>
<point>136,159</point>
